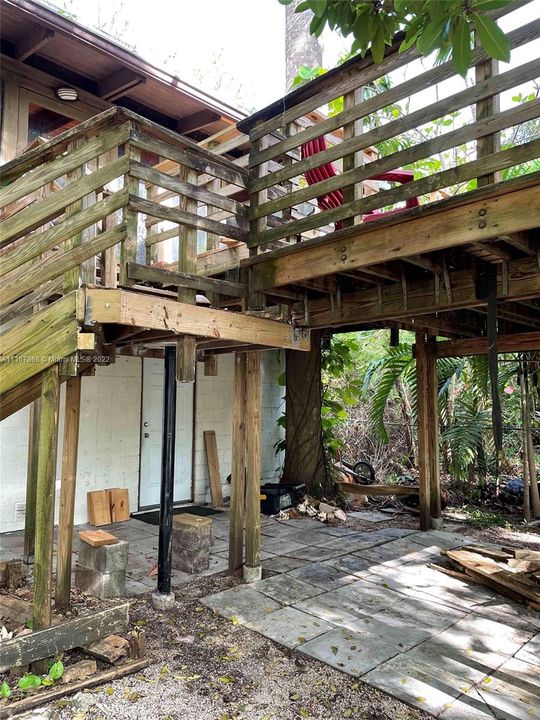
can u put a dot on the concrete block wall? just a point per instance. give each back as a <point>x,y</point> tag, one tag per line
<point>214,403</point>
<point>109,440</point>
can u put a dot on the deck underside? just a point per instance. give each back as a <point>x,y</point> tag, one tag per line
<point>423,269</point>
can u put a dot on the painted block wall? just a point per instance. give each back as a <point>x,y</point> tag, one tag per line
<point>109,440</point>
<point>214,403</point>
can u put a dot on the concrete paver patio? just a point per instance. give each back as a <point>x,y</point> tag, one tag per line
<point>368,604</point>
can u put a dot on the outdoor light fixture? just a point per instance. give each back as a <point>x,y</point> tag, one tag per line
<point>67,93</point>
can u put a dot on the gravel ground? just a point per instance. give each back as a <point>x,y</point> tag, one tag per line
<point>207,668</point>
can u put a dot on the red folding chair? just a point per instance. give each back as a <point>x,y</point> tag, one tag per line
<point>334,198</point>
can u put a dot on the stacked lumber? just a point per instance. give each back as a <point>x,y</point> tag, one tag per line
<point>514,572</point>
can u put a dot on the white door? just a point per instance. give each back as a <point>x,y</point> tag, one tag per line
<point>152,421</point>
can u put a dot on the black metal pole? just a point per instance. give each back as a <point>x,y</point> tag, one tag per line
<point>167,472</point>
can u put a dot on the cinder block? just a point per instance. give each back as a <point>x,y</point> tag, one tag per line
<point>101,585</point>
<point>106,558</point>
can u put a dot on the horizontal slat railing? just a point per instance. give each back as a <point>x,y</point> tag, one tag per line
<point>277,184</point>
<point>99,194</point>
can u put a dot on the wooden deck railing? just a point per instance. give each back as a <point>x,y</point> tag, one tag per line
<point>373,116</point>
<point>87,205</point>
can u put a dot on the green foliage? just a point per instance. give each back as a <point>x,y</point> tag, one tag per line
<point>340,388</point>
<point>482,519</point>
<point>28,681</point>
<point>447,28</point>
<point>5,690</point>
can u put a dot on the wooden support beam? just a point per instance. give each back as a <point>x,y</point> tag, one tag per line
<point>186,368</point>
<point>423,429</point>
<point>518,342</point>
<point>197,121</point>
<point>238,467</point>
<point>133,308</point>
<point>448,223</point>
<point>432,402</point>
<point>31,482</point>
<point>119,83</point>
<point>252,567</point>
<point>45,494</point>
<point>70,449</point>
<point>33,40</point>
<point>368,306</point>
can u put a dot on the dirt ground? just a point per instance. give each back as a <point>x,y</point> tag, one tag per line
<point>204,667</point>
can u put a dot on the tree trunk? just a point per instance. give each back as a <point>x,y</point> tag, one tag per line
<point>304,453</point>
<point>301,48</point>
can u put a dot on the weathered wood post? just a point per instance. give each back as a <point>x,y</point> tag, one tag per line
<point>31,482</point>
<point>187,262</point>
<point>423,431</point>
<point>428,432</point>
<point>45,492</point>
<point>432,400</point>
<point>252,566</point>
<point>70,449</point>
<point>238,467</point>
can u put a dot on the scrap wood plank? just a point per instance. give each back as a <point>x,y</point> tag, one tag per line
<point>119,502</point>
<point>356,489</point>
<point>78,632</point>
<point>493,553</point>
<point>212,459</point>
<point>97,538</point>
<point>99,507</point>
<point>523,553</point>
<point>55,693</point>
<point>518,584</point>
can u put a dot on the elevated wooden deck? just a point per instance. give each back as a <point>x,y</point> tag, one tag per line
<point>362,260</point>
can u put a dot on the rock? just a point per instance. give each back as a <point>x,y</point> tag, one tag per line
<point>84,701</point>
<point>110,648</point>
<point>325,508</point>
<point>339,514</point>
<point>79,671</point>
<point>163,601</point>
